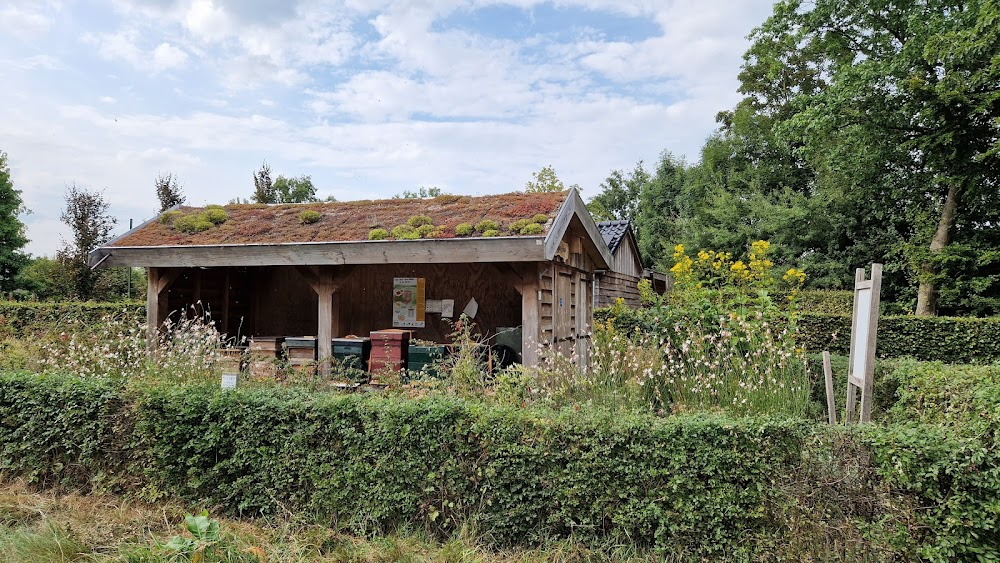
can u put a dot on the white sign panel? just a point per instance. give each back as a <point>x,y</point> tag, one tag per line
<point>861,326</point>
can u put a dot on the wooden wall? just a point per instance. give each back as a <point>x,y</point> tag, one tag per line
<point>626,259</point>
<point>612,285</point>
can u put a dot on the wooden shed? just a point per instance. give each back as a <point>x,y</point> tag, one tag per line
<point>621,279</point>
<point>311,269</point>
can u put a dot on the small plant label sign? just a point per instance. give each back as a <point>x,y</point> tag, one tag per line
<point>229,380</point>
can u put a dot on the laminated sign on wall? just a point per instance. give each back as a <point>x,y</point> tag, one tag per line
<point>408,302</point>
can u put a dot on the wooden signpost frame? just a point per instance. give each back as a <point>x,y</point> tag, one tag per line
<point>864,331</point>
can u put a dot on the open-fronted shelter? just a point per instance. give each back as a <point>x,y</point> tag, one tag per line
<point>310,269</point>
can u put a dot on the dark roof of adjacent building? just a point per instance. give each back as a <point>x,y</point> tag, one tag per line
<point>614,232</point>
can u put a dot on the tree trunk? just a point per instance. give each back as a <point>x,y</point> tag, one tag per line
<point>927,292</point>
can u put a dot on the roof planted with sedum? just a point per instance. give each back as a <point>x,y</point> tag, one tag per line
<point>513,214</point>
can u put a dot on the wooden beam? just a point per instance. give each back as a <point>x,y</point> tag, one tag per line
<point>436,251</point>
<point>529,316</point>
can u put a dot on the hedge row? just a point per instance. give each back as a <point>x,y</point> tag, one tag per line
<point>702,486</point>
<point>699,484</point>
<point>947,339</point>
<point>20,317</point>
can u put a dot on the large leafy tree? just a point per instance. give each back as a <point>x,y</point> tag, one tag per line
<point>898,104</point>
<point>663,209</point>
<point>12,238</point>
<point>620,195</point>
<point>294,190</point>
<point>88,218</point>
<point>545,180</point>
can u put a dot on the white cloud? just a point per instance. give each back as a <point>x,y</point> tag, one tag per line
<point>24,23</point>
<point>368,97</point>
<point>166,56</point>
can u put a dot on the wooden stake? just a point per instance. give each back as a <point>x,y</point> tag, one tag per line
<point>831,404</point>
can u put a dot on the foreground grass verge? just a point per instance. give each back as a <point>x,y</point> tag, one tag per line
<point>45,527</point>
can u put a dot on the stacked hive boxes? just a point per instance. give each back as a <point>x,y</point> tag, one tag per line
<point>301,352</point>
<point>390,349</point>
<point>264,356</point>
<point>352,352</point>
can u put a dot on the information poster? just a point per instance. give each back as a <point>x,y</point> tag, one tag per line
<point>408,302</point>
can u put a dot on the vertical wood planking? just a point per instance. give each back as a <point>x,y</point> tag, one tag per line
<point>530,308</point>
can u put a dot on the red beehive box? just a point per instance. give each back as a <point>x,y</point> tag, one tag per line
<point>390,348</point>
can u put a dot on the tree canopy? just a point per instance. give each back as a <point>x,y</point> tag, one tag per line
<point>12,239</point>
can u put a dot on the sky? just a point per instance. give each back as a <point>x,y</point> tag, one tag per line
<point>367,97</point>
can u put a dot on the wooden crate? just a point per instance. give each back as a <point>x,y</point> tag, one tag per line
<point>272,345</point>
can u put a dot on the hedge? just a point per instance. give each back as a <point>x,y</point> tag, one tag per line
<point>20,317</point>
<point>700,486</point>
<point>947,339</point>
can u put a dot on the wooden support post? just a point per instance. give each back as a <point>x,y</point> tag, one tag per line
<point>152,307</point>
<point>529,316</point>
<point>831,403</point>
<point>157,281</point>
<point>324,332</point>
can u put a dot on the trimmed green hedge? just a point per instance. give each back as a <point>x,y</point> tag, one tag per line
<point>834,302</point>
<point>947,339</point>
<point>696,486</point>
<point>20,317</point>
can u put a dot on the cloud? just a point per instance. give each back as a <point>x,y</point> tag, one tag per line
<point>24,23</point>
<point>369,97</point>
<point>166,56</point>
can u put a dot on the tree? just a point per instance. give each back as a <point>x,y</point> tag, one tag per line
<point>87,216</point>
<point>294,190</point>
<point>422,193</point>
<point>264,191</point>
<point>12,238</point>
<point>620,195</point>
<point>659,222</point>
<point>915,86</point>
<point>168,191</point>
<point>545,180</point>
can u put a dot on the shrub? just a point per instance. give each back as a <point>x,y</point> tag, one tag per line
<point>168,217</point>
<point>541,219</point>
<point>419,221</point>
<point>425,231</point>
<point>532,229</point>
<point>404,231</point>
<point>516,226</point>
<point>215,215</point>
<point>378,234</point>
<point>491,233</point>
<point>192,223</point>
<point>309,216</point>
<point>487,225</point>
<point>463,229</point>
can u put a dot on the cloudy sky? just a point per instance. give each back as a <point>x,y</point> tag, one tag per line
<point>368,97</point>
